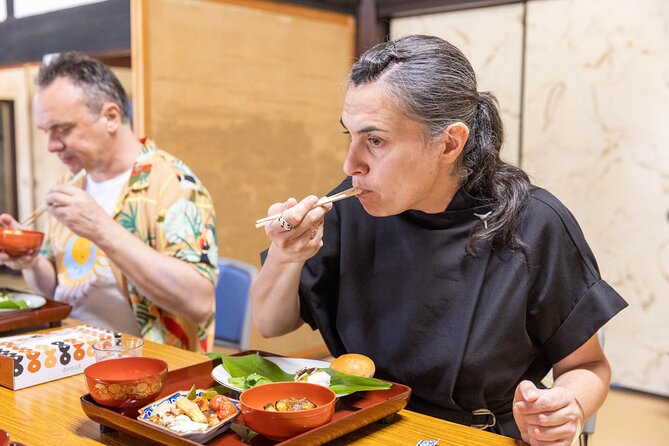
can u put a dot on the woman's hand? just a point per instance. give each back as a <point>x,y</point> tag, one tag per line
<point>547,416</point>
<point>305,236</point>
<point>16,262</point>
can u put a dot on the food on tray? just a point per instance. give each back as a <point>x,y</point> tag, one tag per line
<point>250,370</point>
<point>313,375</point>
<point>193,415</point>
<point>292,404</point>
<point>354,364</point>
<point>6,301</point>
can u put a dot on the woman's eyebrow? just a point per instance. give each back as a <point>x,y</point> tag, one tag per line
<point>369,128</point>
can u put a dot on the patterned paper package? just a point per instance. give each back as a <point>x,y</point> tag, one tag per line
<point>27,360</point>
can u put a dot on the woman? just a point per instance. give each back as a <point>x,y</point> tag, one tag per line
<point>450,270</point>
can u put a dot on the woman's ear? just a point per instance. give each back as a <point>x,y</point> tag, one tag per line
<point>455,138</point>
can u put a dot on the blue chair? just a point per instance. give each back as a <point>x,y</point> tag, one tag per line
<point>233,310</point>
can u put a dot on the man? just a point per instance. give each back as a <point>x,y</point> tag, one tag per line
<point>132,245</point>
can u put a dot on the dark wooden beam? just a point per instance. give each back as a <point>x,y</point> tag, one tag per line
<point>398,8</point>
<point>10,9</point>
<point>367,34</point>
<point>97,28</point>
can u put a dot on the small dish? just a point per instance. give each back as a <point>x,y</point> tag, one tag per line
<point>200,437</point>
<point>20,242</point>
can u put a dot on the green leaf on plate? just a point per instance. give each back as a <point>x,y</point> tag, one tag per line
<point>249,370</point>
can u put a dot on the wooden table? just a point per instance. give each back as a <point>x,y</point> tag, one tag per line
<point>51,413</point>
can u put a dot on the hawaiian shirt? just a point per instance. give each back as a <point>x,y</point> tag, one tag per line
<point>166,206</point>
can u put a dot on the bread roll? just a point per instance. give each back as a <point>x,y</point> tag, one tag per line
<point>354,364</point>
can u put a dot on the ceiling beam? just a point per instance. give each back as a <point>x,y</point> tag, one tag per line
<point>399,8</point>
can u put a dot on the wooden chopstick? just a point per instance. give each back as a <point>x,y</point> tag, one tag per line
<point>34,215</point>
<point>323,201</point>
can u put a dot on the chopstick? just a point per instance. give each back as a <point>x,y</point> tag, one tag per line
<point>323,201</point>
<point>30,219</point>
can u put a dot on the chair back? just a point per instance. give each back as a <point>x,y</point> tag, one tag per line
<point>233,311</point>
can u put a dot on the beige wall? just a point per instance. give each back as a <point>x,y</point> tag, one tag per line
<point>595,134</point>
<point>492,41</point>
<point>249,95</point>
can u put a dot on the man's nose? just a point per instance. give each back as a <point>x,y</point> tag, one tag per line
<point>54,144</point>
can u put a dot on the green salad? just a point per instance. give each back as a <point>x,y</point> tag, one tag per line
<point>251,370</point>
<point>6,302</point>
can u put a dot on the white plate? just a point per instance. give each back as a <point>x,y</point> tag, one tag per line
<point>288,365</point>
<point>33,300</point>
<point>200,437</point>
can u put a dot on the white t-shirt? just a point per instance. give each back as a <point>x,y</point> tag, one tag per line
<point>85,279</point>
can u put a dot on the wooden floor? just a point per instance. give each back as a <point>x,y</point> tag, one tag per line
<point>626,419</point>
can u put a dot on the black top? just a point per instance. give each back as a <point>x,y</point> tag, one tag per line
<point>461,331</point>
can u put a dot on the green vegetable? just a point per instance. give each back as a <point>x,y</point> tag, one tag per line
<point>246,382</point>
<point>249,370</point>
<point>7,302</point>
<point>192,393</point>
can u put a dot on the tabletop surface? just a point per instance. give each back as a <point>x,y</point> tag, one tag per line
<point>51,413</point>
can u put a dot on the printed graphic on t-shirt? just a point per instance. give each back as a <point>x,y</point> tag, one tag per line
<point>83,266</point>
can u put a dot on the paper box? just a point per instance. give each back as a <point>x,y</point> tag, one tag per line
<point>27,360</point>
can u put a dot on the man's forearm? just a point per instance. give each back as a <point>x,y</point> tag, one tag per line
<point>170,283</point>
<point>41,277</point>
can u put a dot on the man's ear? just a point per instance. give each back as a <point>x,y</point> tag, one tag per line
<point>112,115</point>
<point>455,138</point>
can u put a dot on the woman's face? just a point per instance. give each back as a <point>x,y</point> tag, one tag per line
<point>388,159</point>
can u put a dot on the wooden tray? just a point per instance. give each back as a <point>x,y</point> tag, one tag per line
<point>352,412</point>
<point>51,313</point>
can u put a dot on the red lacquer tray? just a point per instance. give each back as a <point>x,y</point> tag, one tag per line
<point>352,412</point>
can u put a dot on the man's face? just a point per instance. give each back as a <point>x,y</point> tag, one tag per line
<point>74,134</point>
<point>387,157</point>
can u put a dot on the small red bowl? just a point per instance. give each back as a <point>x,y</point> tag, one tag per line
<point>19,242</point>
<point>126,382</point>
<point>281,425</point>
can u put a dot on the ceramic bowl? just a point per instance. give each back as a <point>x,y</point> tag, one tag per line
<point>19,242</point>
<point>200,436</point>
<point>281,425</point>
<point>125,383</point>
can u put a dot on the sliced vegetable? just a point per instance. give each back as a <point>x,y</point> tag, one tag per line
<point>192,393</point>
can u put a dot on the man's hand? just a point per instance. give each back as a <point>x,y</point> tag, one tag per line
<point>547,416</point>
<point>78,211</point>
<point>16,262</point>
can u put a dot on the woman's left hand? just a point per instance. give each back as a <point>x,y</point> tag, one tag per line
<point>547,416</point>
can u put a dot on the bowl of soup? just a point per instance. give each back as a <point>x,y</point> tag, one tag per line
<point>20,242</point>
<point>285,409</point>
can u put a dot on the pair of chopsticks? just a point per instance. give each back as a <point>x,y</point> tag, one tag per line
<point>323,201</point>
<point>30,219</point>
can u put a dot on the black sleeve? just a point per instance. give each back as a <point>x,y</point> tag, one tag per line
<point>568,301</point>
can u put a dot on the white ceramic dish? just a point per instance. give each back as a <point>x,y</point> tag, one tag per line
<point>200,437</point>
<point>33,300</point>
<point>288,365</point>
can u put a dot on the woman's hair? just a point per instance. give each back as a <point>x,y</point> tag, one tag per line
<point>96,80</point>
<point>436,86</point>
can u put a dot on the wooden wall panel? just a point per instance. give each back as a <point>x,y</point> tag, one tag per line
<point>249,95</point>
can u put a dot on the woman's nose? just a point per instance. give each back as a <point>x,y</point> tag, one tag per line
<point>353,164</point>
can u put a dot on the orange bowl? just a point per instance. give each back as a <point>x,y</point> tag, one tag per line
<point>19,242</point>
<point>281,425</point>
<point>126,382</point>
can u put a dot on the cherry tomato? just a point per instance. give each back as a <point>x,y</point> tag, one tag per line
<point>215,402</point>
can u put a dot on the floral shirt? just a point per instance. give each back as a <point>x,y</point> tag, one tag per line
<point>166,206</point>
